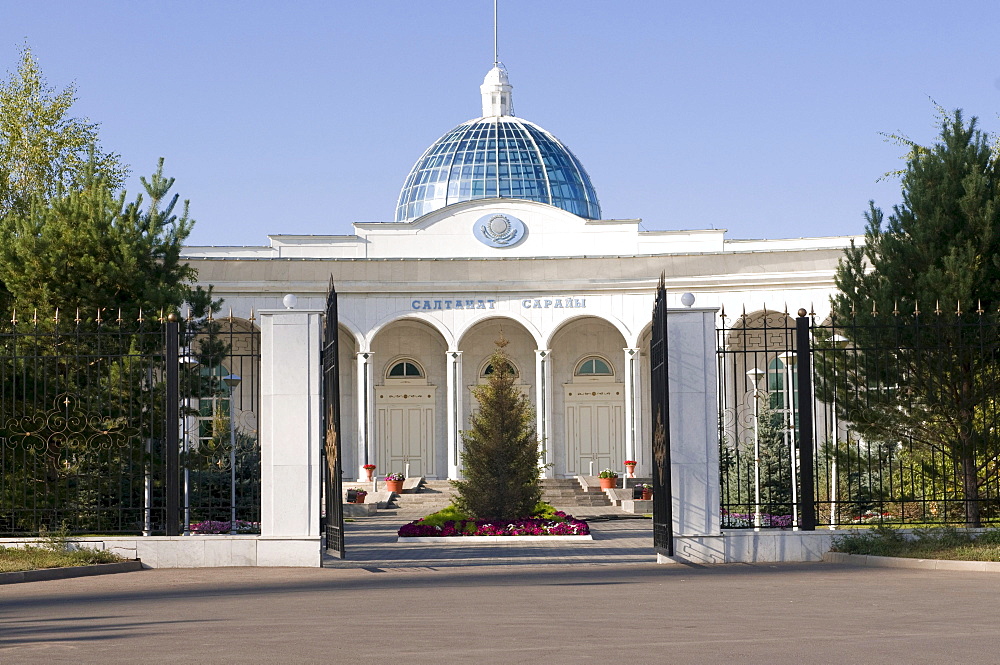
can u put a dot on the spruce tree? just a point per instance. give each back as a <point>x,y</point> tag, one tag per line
<point>500,460</point>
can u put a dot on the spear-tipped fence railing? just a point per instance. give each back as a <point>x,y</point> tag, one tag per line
<point>111,425</point>
<point>891,417</point>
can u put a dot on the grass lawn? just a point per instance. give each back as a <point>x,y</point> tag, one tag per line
<point>14,559</point>
<point>944,543</point>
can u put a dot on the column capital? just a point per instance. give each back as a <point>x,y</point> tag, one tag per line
<point>543,353</point>
<point>454,355</point>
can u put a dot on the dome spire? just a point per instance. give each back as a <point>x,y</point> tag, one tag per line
<point>496,89</point>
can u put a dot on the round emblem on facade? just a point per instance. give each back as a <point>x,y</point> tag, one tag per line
<point>499,230</point>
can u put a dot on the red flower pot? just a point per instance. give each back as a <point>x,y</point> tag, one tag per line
<point>370,473</point>
<point>359,499</point>
<point>394,486</point>
<point>608,483</point>
<point>630,468</point>
<point>647,495</point>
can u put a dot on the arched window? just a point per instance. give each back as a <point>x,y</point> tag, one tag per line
<point>488,369</point>
<point>594,366</point>
<point>405,369</point>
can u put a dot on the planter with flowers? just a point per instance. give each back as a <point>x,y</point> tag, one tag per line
<point>609,479</point>
<point>394,482</point>
<point>359,496</point>
<point>647,491</point>
<point>630,467</point>
<point>451,525</point>
<point>370,470</point>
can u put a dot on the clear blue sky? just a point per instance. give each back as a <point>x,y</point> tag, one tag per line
<point>759,117</point>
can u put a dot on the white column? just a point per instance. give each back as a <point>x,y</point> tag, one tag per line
<point>543,407</point>
<point>633,409</point>
<point>290,437</point>
<point>366,412</point>
<point>455,411</point>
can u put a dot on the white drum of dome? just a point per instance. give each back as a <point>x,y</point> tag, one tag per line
<point>499,230</point>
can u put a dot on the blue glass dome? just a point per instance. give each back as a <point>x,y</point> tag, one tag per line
<point>497,157</point>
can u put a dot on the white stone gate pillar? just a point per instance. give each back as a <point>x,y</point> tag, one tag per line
<point>694,429</point>
<point>290,437</point>
<point>455,423</point>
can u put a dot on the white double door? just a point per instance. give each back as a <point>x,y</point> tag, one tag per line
<point>594,427</point>
<point>404,430</point>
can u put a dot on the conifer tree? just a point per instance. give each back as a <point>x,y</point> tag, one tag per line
<point>87,248</point>
<point>934,262</point>
<point>500,460</point>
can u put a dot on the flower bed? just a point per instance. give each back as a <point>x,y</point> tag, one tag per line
<point>872,517</point>
<point>557,523</point>
<point>741,520</point>
<point>214,526</point>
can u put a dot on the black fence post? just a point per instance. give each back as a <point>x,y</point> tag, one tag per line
<point>171,439</point>
<point>807,480</point>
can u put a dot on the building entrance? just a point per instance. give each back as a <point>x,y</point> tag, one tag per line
<point>594,427</point>
<point>404,429</point>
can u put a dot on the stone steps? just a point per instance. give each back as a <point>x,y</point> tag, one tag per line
<point>568,492</point>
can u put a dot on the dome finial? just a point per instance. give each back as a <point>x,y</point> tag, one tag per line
<point>497,92</point>
<point>496,89</point>
<point>496,50</point>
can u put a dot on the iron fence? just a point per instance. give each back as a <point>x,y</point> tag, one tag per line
<point>110,426</point>
<point>888,418</point>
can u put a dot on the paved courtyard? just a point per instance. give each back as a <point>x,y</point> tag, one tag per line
<point>425,604</point>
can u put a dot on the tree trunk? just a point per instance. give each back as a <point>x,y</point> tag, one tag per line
<point>970,482</point>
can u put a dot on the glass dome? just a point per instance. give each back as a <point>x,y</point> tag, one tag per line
<point>497,157</point>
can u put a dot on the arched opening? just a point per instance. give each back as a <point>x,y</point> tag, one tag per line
<point>409,413</point>
<point>588,415</point>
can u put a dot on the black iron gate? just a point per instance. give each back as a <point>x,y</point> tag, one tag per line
<point>663,519</point>
<point>333,522</point>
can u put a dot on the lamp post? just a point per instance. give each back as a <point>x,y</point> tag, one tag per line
<point>755,375</point>
<point>839,342</point>
<point>189,361</point>
<point>232,380</point>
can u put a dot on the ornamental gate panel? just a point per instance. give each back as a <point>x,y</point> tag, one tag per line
<point>333,521</point>
<point>663,520</point>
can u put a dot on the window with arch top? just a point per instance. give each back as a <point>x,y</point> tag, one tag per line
<point>594,366</point>
<point>488,369</point>
<point>405,369</point>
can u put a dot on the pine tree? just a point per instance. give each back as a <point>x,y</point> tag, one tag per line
<point>916,372</point>
<point>86,248</point>
<point>501,455</point>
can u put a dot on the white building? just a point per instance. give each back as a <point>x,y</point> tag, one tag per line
<point>498,229</point>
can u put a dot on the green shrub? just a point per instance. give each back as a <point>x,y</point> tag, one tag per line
<point>944,537</point>
<point>880,541</point>
<point>449,513</point>
<point>990,537</point>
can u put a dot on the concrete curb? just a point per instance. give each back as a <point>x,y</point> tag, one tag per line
<point>919,564</point>
<point>70,571</point>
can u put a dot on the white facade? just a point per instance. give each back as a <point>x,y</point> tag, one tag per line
<point>423,299</point>
<point>431,294</point>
